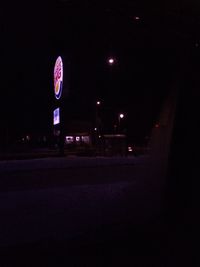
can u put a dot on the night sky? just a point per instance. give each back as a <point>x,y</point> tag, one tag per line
<point>149,53</point>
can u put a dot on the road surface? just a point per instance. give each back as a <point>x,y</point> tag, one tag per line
<point>55,205</point>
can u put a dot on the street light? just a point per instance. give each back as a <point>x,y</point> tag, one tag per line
<point>121,116</point>
<point>97,116</point>
<point>111,61</point>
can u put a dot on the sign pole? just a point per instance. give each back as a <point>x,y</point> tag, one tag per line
<point>58,114</point>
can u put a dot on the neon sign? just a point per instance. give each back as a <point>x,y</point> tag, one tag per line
<point>56,116</point>
<point>58,77</point>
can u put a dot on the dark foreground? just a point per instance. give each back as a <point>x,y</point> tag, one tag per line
<point>88,212</point>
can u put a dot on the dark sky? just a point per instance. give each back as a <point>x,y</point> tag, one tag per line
<point>149,53</point>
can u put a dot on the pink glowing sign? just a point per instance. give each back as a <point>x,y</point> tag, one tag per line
<point>58,77</point>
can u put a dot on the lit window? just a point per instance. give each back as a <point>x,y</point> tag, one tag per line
<point>69,139</point>
<point>77,138</point>
<point>130,149</point>
<point>137,18</point>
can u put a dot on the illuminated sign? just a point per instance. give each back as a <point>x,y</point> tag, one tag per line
<point>58,77</point>
<point>56,116</point>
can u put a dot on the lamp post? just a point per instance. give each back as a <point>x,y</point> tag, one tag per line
<point>97,118</point>
<point>97,128</point>
<point>98,103</point>
<point>120,117</point>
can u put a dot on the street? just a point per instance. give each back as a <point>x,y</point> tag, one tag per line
<point>66,199</point>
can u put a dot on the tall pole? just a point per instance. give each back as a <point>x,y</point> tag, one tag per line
<point>121,116</point>
<point>61,136</point>
<point>58,87</point>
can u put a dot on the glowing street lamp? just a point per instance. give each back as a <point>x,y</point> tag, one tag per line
<point>97,116</point>
<point>111,61</point>
<point>121,116</point>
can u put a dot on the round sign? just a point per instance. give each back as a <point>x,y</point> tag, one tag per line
<point>58,77</point>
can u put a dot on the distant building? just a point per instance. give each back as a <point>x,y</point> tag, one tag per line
<point>81,138</point>
<point>78,137</point>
